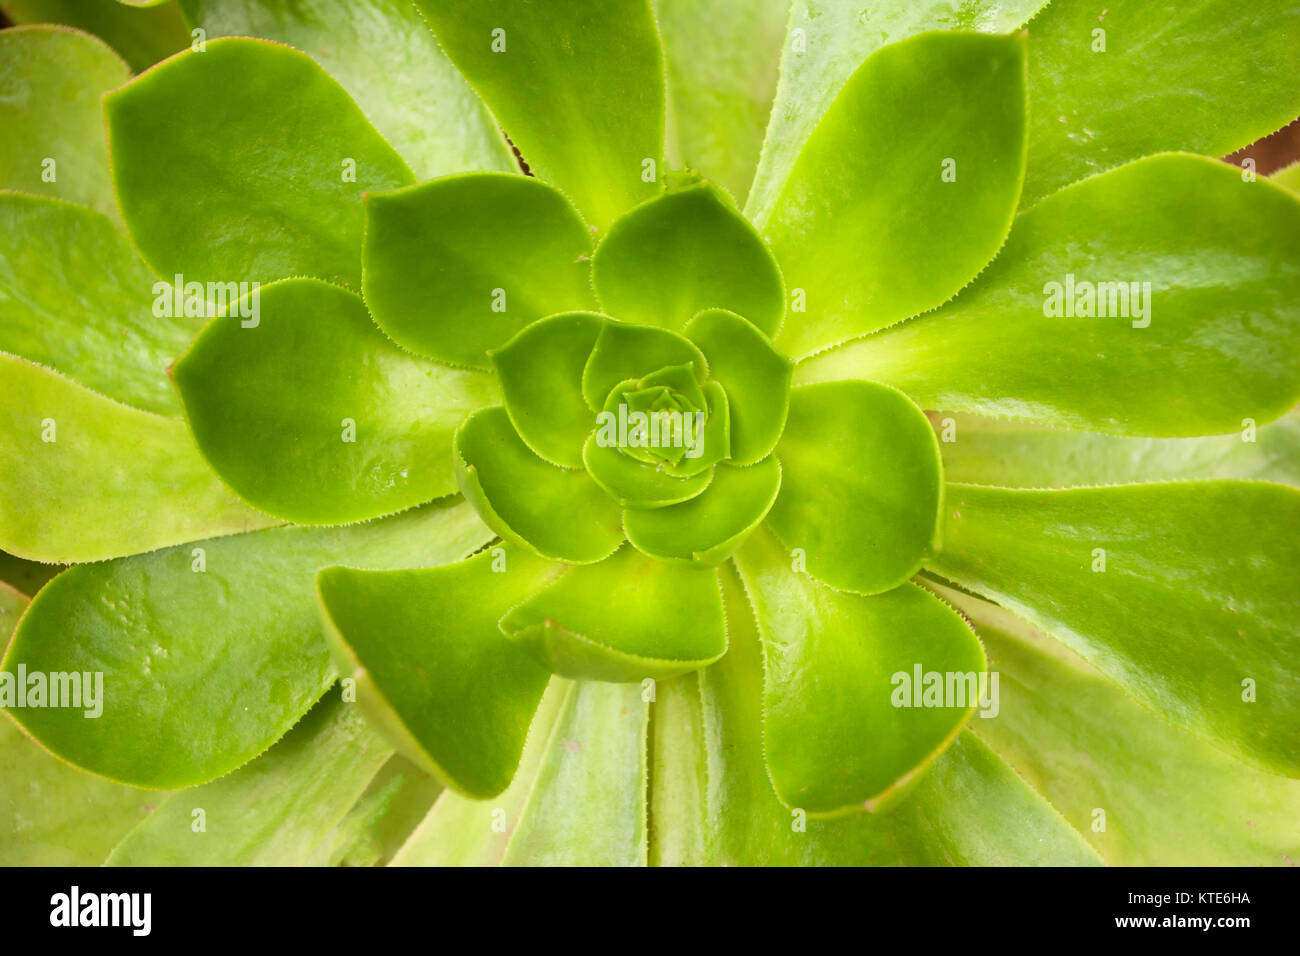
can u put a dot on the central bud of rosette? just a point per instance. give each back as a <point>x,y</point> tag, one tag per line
<point>660,419</point>
<point>611,431</point>
<point>658,437</point>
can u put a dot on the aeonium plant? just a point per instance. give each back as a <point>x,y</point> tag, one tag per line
<point>421,509</point>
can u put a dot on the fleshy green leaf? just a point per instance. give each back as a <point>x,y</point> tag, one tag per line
<point>587,806</point>
<point>209,654</point>
<point>462,831</point>
<point>433,669</point>
<point>1288,177</point>
<point>579,89</point>
<point>722,58</point>
<point>382,819</point>
<point>1182,593</point>
<point>625,619</point>
<point>313,415</point>
<point>844,669</point>
<point>1213,76</point>
<point>854,227</point>
<point>75,297</point>
<point>540,371</point>
<point>52,814</point>
<point>860,485</point>
<point>992,451</point>
<point>716,438</point>
<point>266,159</point>
<point>273,811</point>
<point>1170,798</point>
<point>384,56</point>
<point>51,79</point>
<point>682,252</point>
<point>706,529</point>
<point>558,513</point>
<point>455,267</point>
<point>636,484</point>
<point>756,378</point>
<point>625,352</point>
<point>85,478</point>
<point>1212,341</point>
<point>578,798</point>
<point>141,36</point>
<point>826,43</point>
<point>987,815</point>
<point>713,803</point>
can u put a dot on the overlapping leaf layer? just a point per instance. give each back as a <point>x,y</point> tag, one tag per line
<point>422,511</point>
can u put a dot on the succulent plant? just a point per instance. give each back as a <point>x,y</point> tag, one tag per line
<point>889,463</point>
